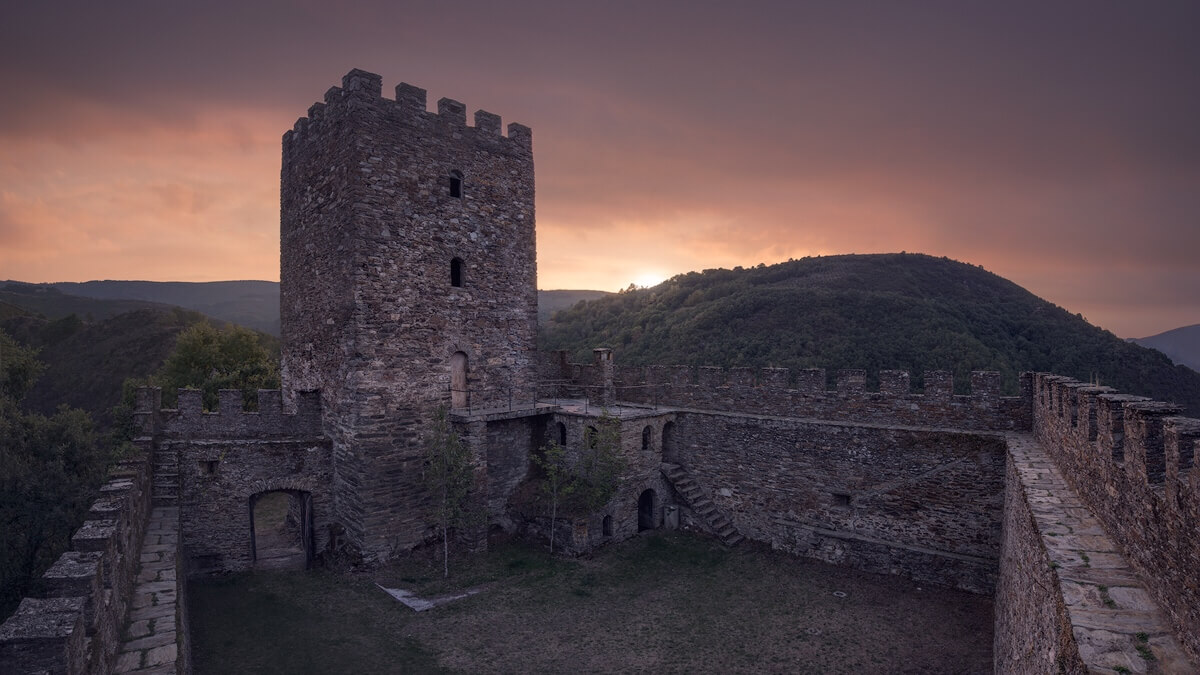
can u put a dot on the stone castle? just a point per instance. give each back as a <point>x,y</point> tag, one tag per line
<point>408,284</point>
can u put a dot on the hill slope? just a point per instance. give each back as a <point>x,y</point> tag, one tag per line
<point>895,311</point>
<point>87,362</point>
<point>1182,345</point>
<point>254,304</point>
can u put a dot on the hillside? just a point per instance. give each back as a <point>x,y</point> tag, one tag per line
<point>1182,345</point>
<point>52,303</point>
<point>550,302</point>
<point>895,311</point>
<point>87,361</point>
<point>254,304</point>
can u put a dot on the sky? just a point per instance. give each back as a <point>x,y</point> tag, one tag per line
<point>1054,143</point>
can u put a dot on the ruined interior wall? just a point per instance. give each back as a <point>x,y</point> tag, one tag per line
<point>918,502</point>
<point>1132,461</point>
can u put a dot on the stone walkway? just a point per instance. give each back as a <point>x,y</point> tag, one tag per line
<point>1117,625</point>
<point>151,638</point>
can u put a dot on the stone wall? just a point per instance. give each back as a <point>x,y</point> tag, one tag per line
<point>1032,630</point>
<point>407,237</point>
<point>919,502</point>
<point>1132,461</point>
<point>72,622</point>
<point>801,393</point>
<point>229,457</point>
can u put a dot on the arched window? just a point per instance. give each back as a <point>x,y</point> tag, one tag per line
<point>606,526</point>
<point>456,272</point>
<point>458,380</point>
<point>646,434</point>
<point>456,184</point>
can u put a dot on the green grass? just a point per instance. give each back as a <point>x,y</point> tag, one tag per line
<point>665,602</point>
<point>311,622</point>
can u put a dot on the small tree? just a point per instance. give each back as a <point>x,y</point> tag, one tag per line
<point>558,484</point>
<point>601,463</point>
<point>448,473</point>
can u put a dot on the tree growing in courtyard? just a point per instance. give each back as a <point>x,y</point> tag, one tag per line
<point>559,483</point>
<point>448,474</point>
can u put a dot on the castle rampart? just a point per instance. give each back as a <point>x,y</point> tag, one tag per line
<point>73,620</point>
<point>1132,461</point>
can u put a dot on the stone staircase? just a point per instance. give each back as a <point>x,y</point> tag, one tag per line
<point>701,505</point>
<point>166,477</point>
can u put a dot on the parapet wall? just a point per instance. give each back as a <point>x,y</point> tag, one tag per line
<point>1132,461</point>
<point>73,621</point>
<point>361,88</point>
<point>801,393</point>
<point>272,421</point>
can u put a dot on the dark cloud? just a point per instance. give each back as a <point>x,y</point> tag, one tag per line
<point>1054,143</point>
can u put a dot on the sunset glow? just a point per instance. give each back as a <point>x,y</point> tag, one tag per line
<point>1053,145</point>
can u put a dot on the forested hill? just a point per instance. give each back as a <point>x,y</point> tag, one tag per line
<point>878,312</point>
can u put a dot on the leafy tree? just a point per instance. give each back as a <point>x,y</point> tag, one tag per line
<point>19,368</point>
<point>558,483</point>
<point>601,463</point>
<point>448,474</point>
<point>50,467</point>
<point>210,359</point>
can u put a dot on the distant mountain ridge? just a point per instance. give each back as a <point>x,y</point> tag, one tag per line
<point>875,312</point>
<point>254,304</point>
<point>1182,345</point>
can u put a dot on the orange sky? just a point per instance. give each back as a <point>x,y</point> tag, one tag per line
<point>1056,146</point>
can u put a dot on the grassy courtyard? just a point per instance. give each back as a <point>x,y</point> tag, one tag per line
<point>665,602</point>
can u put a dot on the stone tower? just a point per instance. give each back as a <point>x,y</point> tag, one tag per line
<point>408,282</point>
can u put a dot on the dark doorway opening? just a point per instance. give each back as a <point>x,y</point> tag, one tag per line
<point>646,519</point>
<point>281,529</point>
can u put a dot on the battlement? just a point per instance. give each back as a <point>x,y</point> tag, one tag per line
<point>189,419</point>
<point>1133,462</point>
<point>362,93</point>
<point>800,393</point>
<point>73,619</point>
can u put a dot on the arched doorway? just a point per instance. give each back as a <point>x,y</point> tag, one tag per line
<point>670,451</point>
<point>458,380</point>
<point>281,529</point>
<point>646,520</point>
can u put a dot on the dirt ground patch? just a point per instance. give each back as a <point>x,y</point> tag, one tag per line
<point>663,602</point>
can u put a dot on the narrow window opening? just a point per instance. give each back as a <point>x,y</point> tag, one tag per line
<point>208,467</point>
<point>592,438</point>
<point>456,184</point>
<point>562,434</point>
<point>456,272</point>
<point>646,434</point>
<point>607,526</point>
<point>841,500</point>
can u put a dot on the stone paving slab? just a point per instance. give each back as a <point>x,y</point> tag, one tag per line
<point>1116,624</point>
<point>151,644</point>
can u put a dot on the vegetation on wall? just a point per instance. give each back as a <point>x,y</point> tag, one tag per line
<point>877,312</point>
